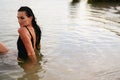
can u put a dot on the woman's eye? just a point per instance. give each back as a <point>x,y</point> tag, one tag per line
<point>22,17</point>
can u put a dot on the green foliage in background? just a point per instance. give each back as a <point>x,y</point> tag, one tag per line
<point>94,1</point>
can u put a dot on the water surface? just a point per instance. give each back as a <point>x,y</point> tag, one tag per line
<point>80,41</point>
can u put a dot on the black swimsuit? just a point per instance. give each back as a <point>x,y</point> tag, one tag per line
<point>22,52</point>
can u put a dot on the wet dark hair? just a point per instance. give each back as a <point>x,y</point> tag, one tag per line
<point>36,27</point>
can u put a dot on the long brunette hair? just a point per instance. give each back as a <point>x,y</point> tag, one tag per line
<point>36,27</point>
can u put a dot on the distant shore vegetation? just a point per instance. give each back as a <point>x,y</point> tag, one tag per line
<point>95,1</point>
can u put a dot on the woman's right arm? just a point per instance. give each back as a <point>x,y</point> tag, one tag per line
<point>28,45</point>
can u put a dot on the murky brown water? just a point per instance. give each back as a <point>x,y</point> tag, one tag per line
<point>79,41</point>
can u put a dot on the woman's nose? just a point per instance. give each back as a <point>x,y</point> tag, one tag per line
<point>19,21</point>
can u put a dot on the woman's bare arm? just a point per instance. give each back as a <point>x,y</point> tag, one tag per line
<point>3,48</point>
<point>28,44</point>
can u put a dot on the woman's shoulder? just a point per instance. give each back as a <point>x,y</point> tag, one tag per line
<point>22,29</point>
<point>23,32</point>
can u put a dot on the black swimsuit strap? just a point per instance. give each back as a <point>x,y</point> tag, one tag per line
<point>31,37</point>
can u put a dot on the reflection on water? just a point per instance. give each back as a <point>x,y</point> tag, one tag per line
<point>73,9</point>
<point>80,41</point>
<point>30,70</point>
<point>78,12</point>
<point>108,15</point>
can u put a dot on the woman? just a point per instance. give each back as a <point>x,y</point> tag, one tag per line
<point>29,35</point>
<point>3,48</point>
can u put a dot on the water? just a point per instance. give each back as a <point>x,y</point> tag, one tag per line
<point>79,41</point>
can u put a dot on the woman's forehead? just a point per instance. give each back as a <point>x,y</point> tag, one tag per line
<point>23,13</point>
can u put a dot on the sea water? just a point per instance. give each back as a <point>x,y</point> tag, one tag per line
<point>80,41</point>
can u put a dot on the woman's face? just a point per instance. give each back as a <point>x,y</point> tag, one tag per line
<point>23,19</point>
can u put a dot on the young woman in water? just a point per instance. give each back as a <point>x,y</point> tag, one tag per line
<point>29,35</point>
